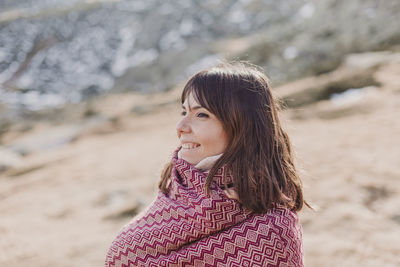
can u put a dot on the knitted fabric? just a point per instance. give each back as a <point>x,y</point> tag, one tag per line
<point>189,228</point>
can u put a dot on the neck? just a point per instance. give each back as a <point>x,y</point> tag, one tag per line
<point>206,163</point>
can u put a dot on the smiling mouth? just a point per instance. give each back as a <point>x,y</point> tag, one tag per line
<point>190,145</point>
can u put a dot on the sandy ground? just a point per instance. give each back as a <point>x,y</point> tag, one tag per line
<point>63,206</point>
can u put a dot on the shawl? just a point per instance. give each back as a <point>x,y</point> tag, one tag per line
<point>187,227</point>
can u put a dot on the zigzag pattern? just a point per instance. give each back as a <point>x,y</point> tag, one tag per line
<point>188,228</point>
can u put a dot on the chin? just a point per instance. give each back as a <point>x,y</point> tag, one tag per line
<point>190,157</point>
<point>191,161</point>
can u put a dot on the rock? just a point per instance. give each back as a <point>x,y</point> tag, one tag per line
<point>317,42</point>
<point>127,211</point>
<point>313,89</point>
<point>59,213</point>
<point>371,59</point>
<point>9,159</point>
<point>375,193</point>
<point>119,204</point>
<point>163,74</point>
<point>396,218</point>
<point>21,170</point>
<point>45,139</point>
<point>74,50</point>
<point>350,102</point>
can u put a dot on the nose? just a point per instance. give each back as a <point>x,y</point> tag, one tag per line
<point>183,126</point>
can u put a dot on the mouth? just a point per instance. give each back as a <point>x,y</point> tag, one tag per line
<point>190,145</point>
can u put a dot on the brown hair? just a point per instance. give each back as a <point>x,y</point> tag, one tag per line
<point>259,154</point>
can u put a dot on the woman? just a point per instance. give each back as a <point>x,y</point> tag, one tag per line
<point>230,194</point>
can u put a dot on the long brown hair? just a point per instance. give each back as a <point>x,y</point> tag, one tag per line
<point>259,154</point>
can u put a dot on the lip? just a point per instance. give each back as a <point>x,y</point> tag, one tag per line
<point>189,142</point>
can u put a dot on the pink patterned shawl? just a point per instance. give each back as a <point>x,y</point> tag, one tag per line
<point>188,228</point>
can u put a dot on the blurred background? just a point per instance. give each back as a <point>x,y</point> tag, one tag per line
<point>89,99</point>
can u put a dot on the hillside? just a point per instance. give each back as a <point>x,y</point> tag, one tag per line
<point>67,188</point>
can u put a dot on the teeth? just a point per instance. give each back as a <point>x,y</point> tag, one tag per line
<point>189,145</point>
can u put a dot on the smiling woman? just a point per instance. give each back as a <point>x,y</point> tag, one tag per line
<point>200,132</point>
<point>230,194</point>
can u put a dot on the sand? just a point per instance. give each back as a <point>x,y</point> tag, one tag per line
<point>63,205</point>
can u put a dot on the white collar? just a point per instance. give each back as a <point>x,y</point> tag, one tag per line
<point>206,163</point>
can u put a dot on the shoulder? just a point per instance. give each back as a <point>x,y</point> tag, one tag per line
<point>283,221</point>
<point>284,215</point>
<point>280,233</point>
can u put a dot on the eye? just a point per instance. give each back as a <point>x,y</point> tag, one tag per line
<point>202,115</point>
<point>183,113</point>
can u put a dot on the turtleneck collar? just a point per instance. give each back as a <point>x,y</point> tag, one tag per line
<point>205,164</point>
<point>186,170</point>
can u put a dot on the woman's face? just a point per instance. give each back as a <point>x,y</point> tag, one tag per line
<point>200,133</point>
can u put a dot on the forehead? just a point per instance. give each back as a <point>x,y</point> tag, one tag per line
<point>190,101</point>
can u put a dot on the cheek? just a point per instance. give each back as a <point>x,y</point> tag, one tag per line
<point>223,140</point>
<point>215,141</point>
